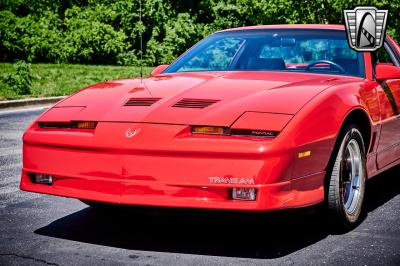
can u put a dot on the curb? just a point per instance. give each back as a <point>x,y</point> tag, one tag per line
<point>30,102</point>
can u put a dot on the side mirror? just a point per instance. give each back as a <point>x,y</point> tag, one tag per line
<point>158,70</point>
<point>384,71</point>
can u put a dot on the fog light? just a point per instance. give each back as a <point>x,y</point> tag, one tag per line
<point>43,179</point>
<point>244,194</point>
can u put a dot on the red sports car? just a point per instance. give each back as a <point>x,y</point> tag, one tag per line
<point>255,118</point>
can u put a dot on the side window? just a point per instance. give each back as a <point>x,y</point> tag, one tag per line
<point>382,56</point>
<point>385,55</point>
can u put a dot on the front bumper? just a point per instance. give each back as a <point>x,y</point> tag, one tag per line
<point>165,165</point>
<point>160,180</point>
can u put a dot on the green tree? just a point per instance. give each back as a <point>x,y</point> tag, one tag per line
<point>108,31</point>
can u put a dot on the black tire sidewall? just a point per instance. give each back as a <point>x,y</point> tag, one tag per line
<point>334,189</point>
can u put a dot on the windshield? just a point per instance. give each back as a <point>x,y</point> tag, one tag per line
<point>290,50</point>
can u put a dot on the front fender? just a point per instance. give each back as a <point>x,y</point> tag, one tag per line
<point>316,126</point>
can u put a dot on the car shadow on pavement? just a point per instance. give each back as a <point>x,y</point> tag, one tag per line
<point>216,233</point>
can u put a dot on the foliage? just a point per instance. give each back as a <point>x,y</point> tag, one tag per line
<point>63,79</point>
<point>19,82</point>
<point>89,37</point>
<point>108,31</point>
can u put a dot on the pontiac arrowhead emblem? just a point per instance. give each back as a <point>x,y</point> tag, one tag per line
<point>131,132</point>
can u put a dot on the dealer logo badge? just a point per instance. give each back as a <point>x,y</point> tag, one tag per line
<point>366,28</point>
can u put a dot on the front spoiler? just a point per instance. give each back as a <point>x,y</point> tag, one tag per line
<point>296,193</point>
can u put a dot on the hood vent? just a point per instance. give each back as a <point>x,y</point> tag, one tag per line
<point>194,103</point>
<point>141,101</point>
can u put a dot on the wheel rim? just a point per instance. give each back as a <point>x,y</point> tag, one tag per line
<point>352,172</point>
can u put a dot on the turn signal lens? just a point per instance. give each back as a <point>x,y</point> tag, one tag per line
<point>208,130</point>
<point>85,124</point>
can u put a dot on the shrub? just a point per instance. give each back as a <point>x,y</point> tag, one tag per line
<point>20,82</point>
<point>181,33</point>
<point>88,39</point>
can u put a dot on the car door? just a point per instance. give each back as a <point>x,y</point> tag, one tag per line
<point>389,99</point>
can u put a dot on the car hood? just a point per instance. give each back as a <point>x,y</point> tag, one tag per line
<point>217,98</point>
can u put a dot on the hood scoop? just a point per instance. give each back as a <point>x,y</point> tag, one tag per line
<point>194,103</point>
<point>141,101</point>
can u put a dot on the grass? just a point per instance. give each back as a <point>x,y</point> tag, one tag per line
<point>64,79</point>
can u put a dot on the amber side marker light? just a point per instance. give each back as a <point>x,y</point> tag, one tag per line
<point>73,124</point>
<point>304,154</point>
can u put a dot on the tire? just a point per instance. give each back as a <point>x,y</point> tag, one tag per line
<point>346,179</point>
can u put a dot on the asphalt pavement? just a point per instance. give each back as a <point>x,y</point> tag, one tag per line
<point>40,229</point>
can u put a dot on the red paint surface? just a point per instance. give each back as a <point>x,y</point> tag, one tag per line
<point>165,165</point>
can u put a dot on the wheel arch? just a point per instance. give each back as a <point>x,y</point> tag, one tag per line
<point>360,118</point>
